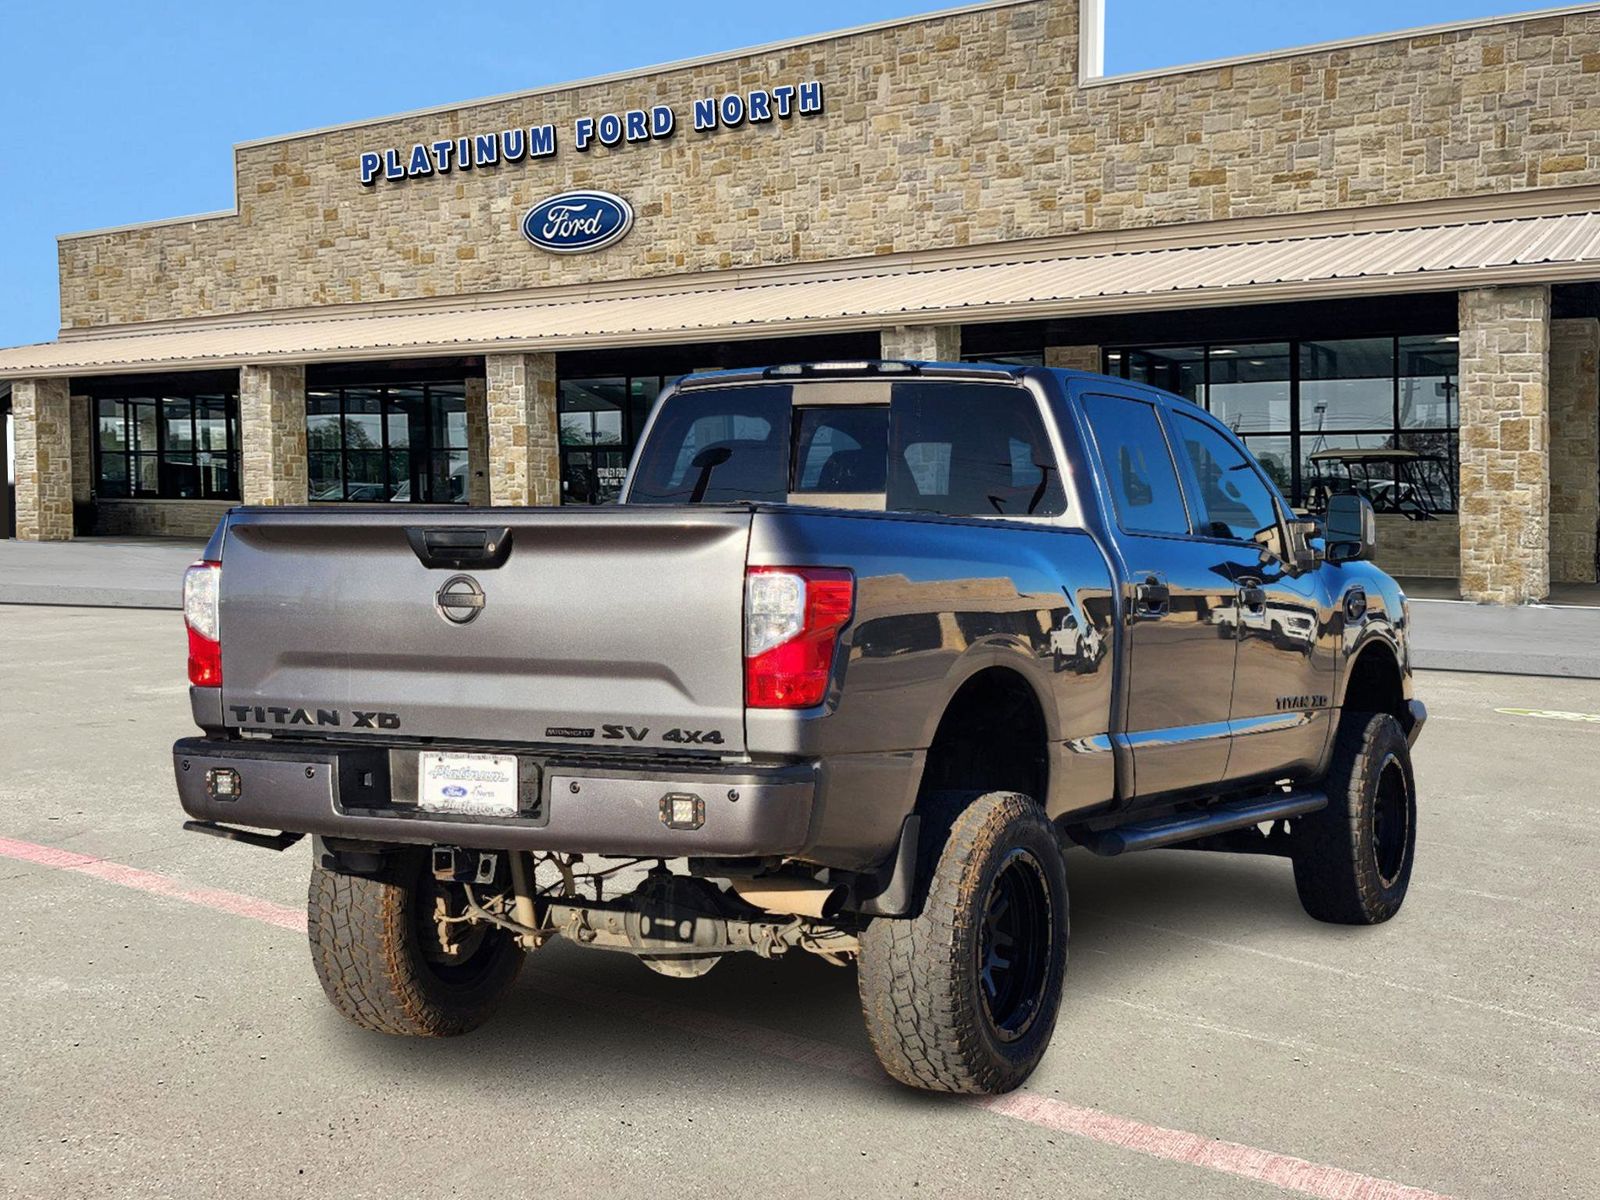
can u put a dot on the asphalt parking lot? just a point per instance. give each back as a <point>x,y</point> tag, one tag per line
<point>164,1034</point>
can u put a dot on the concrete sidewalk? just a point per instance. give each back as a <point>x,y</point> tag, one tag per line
<point>143,572</point>
<point>1451,635</point>
<point>1447,635</point>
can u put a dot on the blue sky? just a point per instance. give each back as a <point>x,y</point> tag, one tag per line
<point>113,112</point>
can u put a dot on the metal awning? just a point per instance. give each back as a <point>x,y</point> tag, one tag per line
<point>1538,249</point>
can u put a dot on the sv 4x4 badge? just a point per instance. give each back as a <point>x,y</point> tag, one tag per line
<point>638,733</point>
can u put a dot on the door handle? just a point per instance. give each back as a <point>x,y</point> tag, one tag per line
<point>460,548</point>
<point>1152,599</point>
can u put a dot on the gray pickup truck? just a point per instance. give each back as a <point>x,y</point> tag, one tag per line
<point>865,648</point>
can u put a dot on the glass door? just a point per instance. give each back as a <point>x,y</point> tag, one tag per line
<point>601,420</point>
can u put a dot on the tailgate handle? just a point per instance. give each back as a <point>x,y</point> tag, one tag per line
<point>456,548</point>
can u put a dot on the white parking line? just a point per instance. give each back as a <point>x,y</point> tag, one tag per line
<point>1362,976</point>
<point>1284,1171</point>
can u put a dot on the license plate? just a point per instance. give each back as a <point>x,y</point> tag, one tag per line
<point>478,785</point>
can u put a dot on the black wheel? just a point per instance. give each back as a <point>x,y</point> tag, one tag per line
<point>391,960</point>
<point>963,996</point>
<point>1352,860</point>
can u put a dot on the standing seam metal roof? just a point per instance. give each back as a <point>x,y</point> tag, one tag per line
<point>1433,257</point>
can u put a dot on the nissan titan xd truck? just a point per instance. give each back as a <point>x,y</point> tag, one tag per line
<point>864,650</point>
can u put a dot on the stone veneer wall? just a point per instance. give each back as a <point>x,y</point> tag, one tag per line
<point>955,130</point>
<point>42,433</point>
<point>1574,449</point>
<point>1427,548</point>
<point>159,518</point>
<point>524,461</point>
<point>1505,443</point>
<point>273,465</point>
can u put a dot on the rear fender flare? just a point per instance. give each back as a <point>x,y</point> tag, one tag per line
<point>1010,655</point>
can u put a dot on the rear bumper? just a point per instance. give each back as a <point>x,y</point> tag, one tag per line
<point>360,793</point>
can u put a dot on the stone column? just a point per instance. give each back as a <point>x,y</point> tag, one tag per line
<point>272,433</point>
<point>41,419</point>
<point>477,441</point>
<point>524,462</point>
<point>1074,358</point>
<point>1574,449</point>
<point>1505,444</point>
<point>923,343</point>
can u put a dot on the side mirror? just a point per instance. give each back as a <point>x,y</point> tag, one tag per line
<point>1351,528</point>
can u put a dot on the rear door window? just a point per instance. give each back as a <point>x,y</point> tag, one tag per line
<point>1138,465</point>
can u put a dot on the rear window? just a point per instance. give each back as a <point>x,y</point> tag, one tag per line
<point>840,449</point>
<point>958,449</point>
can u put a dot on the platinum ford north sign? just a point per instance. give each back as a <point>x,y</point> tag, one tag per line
<point>476,151</point>
<point>578,222</point>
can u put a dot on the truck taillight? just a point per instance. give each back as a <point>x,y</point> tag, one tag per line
<point>202,588</point>
<point>792,619</point>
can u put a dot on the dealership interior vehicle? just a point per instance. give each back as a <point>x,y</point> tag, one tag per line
<point>1416,486</point>
<point>865,647</point>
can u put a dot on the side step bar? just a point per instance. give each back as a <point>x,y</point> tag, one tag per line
<point>1186,827</point>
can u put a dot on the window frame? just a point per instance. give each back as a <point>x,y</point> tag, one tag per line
<point>157,397</point>
<point>421,454</point>
<point>1117,361</point>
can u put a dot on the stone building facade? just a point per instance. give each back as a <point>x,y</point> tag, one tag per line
<point>972,138</point>
<point>952,131</point>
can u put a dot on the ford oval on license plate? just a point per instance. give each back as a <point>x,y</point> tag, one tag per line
<point>477,785</point>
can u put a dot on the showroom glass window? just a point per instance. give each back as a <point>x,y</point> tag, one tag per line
<point>601,420</point>
<point>167,444</point>
<point>1290,400</point>
<point>388,443</point>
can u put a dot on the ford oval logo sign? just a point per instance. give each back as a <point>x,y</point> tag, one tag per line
<point>578,222</point>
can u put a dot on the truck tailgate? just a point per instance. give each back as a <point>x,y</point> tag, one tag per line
<point>603,627</point>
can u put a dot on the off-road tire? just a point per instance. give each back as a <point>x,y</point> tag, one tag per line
<point>920,977</point>
<point>1352,863</point>
<point>370,955</point>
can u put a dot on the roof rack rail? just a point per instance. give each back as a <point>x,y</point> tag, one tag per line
<point>875,368</point>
